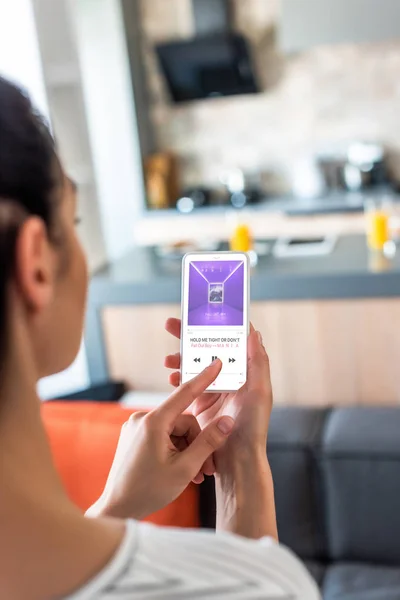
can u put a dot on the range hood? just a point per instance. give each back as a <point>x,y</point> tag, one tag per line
<point>216,62</point>
<point>212,16</point>
<point>308,23</point>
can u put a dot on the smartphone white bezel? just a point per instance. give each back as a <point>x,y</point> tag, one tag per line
<point>214,256</point>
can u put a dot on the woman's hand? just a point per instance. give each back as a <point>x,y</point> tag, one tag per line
<point>160,452</point>
<point>244,487</point>
<point>250,407</point>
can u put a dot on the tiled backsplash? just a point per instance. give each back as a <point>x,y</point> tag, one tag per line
<point>311,100</point>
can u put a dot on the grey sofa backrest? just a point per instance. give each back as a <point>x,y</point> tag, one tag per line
<point>294,441</point>
<point>337,482</point>
<point>360,465</point>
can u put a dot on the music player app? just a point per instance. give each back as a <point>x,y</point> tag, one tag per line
<point>214,317</point>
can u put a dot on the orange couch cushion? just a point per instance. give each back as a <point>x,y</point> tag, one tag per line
<point>83,438</point>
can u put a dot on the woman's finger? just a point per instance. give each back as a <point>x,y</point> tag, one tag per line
<point>175,379</point>
<point>173,361</point>
<point>187,393</point>
<point>198,479</point>
<point>210,439</point>
<point>173,326</point>
<point>206,401</point>
<point>188,427</point>
<point>208,467</point>
<point>255,347</point>
<point>258,372</point>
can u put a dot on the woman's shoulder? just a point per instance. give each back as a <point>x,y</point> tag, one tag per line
<point>212,563</point>
<point>197,564</point>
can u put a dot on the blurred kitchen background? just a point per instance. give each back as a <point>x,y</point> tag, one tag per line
<point>271,125</point>
<point>320,117</point>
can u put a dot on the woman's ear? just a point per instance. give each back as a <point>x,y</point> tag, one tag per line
<point>34,264</point>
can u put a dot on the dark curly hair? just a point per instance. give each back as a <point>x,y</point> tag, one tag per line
<point>30,175</point>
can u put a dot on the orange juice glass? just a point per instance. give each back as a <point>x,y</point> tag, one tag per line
<point>377,215</point>
<point>241,240</point>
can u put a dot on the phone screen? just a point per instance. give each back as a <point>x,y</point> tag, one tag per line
<point>215,300</point>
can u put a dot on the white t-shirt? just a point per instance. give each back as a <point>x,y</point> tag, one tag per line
<point>178,564</point>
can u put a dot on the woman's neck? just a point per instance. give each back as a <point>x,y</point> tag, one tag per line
<point>27,466</point>
<point>40,528</point>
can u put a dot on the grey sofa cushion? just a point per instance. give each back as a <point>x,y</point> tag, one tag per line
<point>361,582</point>
<point>292,437</point>
<point>361,475</point>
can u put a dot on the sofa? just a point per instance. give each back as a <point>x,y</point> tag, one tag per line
<point>83,437</point>
<point>337,487</point>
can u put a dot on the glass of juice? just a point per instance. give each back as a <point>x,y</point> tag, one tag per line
<point>377,212</point>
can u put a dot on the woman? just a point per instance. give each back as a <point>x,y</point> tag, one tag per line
<point>48,549</point>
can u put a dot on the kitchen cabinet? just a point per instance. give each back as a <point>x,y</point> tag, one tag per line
<point>331,324</point>
<point>322,353</point>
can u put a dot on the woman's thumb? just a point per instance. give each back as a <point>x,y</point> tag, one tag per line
<point>207,442</point>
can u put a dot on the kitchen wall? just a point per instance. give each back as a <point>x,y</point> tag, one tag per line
<point>315,99</point>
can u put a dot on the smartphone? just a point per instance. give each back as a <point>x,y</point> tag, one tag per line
<point>215,316</point>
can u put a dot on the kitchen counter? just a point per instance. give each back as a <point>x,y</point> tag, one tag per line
<point>130,299</point>
<point>142,277</point>
<point>329,323</point>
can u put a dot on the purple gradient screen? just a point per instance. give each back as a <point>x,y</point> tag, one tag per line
<point>216,293</point>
